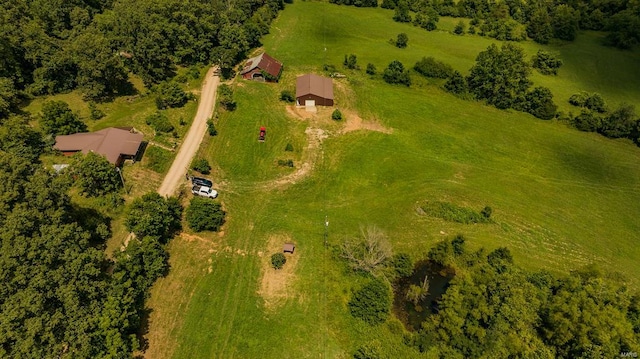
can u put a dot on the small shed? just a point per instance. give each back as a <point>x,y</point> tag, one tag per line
<point>313,90</point>
<point>257,67</point>
<point>288,248</point>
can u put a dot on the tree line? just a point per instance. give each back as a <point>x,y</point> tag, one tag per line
<point>60,296</point>
<point>51,47</point>
<point>493,308</point>
<point>517,20</point>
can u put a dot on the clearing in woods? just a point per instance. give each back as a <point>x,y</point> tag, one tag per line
<point>561,198</point>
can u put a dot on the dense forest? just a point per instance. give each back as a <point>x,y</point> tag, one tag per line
<point>494,309</point>
<point>48,47</point>
<point>60,294</point>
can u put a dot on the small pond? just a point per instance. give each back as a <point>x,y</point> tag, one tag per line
<point>413,316</point>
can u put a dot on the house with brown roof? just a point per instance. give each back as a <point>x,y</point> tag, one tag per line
<point>313,90</point>
<point>116,144</point>
<point>262,68</point>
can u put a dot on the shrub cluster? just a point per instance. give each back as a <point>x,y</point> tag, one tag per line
<point>430,67</point>
<point>453,213</point>
<point>546,63</point>
<point>159,122</point>
<point>203,214</point>
<point>351,62</point>
<point>395,73</point>
<point>287,96</point>
<point>372,302</point>
<point>225,97</point>
<point>201,165</point>
<point>170,94</point>
<point>593,102</point>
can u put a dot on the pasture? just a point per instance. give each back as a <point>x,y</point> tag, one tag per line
<point>561,198</point>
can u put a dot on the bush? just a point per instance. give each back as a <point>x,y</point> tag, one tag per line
<point>587,121</point>
<point>456,84</point>
<point>546,63</point>
<point>402,265</point>
<point>368,351</point>
<point>285,163</point>
<point>203,214</point>
<point>486,212</point>
<point>539,102</point>
<point>170,95</point>
<point>287,96</point>
<point>371,303</point>
<point>460,27</point>
<point>578,99</point>
<point>402,41</point>
<point>94,112</point>
<point>278,260</point>
<point>620,123</point>
<point>453,213</point>
<point>371,69</point>
<point>350,62</point>
<point>288,147</point>
<point>596,103</point>
<point>593,101</point>
<point>159,122</point>
<point>211,128</point>
<point>226,97</point>
<point>430,67</point>
<point>201,165</point>
<point>395,73</point>
<point>336,115</point>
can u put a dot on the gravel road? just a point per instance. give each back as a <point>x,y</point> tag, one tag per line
<point>193,139</point>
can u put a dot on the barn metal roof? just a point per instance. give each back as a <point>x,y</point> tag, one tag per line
<point>311,84</point>
<point>263,62</point>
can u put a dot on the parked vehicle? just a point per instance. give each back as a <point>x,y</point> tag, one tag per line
<point>204,191</point>
<point>199,181</point>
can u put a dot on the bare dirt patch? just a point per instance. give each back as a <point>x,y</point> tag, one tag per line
<point>277,286</point>
<point>299,113</point>
<point>355,123</point>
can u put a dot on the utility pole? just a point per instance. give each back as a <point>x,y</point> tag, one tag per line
<point>122,179</point>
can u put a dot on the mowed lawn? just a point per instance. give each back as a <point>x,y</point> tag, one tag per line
<point>561,198</point>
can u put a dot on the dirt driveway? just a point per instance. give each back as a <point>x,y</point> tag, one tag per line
<point>193,138</point>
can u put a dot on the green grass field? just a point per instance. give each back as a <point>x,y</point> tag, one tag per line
<point>561,198</point>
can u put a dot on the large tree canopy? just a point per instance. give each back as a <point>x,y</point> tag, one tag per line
<point>500,76</point>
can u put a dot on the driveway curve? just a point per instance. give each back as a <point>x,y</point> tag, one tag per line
<point>193,139</point>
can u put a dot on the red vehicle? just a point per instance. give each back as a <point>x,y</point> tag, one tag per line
<point>263,132</point>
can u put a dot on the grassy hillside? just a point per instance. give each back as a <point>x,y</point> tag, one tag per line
<point>561,198</point>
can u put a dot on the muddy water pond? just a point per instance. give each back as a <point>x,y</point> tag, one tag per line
<point>410,315</point>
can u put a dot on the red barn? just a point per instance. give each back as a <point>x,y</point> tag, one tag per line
<point>313,90</point>
<point>262,68</point>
